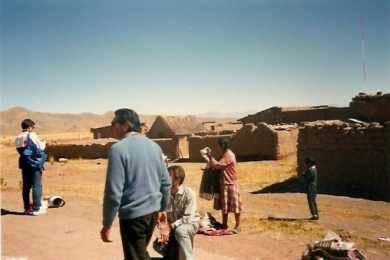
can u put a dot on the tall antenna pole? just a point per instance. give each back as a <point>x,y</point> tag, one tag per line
<point>363,51</point>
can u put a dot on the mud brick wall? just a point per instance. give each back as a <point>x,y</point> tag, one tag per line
<point>265,142</point>
<point>102,132</point>
<point>329,113</point>
<point>80,149</point>
<point>99,148</point>
<point>352,159</point>
<point>277,116</point>
<point>196,143</point>
<point>169,146</point>
<point>371,108</point>
<point>245,143</point>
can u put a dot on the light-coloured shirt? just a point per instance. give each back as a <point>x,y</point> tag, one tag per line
<point>228,164</point>
<point>21,140</point>
<point>182,207</point>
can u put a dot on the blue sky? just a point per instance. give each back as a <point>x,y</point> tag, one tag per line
<point>190,57</point>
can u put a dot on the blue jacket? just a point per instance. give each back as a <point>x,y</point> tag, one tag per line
<point>137,180</point>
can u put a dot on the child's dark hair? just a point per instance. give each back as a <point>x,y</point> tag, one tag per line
<point>224,143</point>
<point>178,172</point>
<point>310,161</point>
<point>27,123</point>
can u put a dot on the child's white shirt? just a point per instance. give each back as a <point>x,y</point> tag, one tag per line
<point>21,140</point>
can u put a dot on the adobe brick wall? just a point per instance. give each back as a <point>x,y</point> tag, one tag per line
<point>371,108</point>
<point>351,158</point>
<point>263,141</point>
<point>102,132</point>
<point>276,116</point>
<point>169,146</point>
<point>196,143</point>
<point>80,149</point>
<point>243,142</point>
<point>99,148</point>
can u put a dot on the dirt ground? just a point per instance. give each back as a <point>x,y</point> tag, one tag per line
<point>72,232</point>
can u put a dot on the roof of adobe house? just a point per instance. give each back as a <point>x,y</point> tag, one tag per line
<point>288,109</point>
<point>182,125</point>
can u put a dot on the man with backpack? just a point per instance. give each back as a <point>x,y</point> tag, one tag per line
<point>31,160</point>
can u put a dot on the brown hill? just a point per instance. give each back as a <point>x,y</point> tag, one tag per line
<point>55,122</point>
<point>48,123</point>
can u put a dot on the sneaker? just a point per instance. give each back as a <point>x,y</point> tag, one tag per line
<point>41,211</point>
<point>315,217</point>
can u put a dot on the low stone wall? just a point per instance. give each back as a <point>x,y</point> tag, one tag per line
<point>352,159</point>
<point>196,143</point>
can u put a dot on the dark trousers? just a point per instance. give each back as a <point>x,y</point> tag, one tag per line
<point>136,234</point>
<point>172,249</point>
<point>32,179</point>
<point>311,199</point>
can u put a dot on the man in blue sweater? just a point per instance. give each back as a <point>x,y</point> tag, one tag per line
<point>137,186</point>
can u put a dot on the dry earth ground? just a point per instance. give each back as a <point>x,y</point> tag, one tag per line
<point>72,232</point>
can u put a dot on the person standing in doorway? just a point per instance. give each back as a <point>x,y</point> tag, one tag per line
<point>137,186</point>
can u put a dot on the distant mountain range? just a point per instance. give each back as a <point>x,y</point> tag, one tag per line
<point>10,120</point>
<point>235,115</point>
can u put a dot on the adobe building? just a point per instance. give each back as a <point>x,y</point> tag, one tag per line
<point>288,115</point>
<point>352,158</point>
<point>105,131</point>
<point>371,108</point>
<point>219,127</point>
<point>196,143</point>
<point>265,142</point>
<point>102,132</point>
<point>178,129</point>
<point>251,142</point>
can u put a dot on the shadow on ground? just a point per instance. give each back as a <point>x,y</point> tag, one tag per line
<point>290,185</point>
<point>10,212</point>
<point>285,219</point>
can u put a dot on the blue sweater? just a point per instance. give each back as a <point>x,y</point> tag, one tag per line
<point>137,180</point>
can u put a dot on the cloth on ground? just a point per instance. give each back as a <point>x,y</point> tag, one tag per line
<point>209,226</point>
<point>215,232</point>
